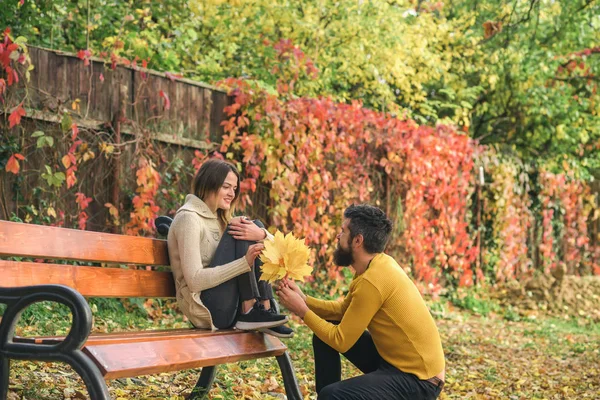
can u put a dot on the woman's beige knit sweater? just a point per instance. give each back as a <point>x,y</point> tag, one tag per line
<point>192,240</point>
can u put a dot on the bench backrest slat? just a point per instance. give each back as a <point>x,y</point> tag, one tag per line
<point>89,281</point>
<point>132,336</point>
<point>37,241</point>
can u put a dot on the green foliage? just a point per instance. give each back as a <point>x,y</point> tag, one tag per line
<point>55,179</point>
<point>438,308</point>
<point>42,139</point>
<point>538,65</point>
<point>474,301</point>
<point>522,73</point>
<point>511,315</point>
<point>49,318</point>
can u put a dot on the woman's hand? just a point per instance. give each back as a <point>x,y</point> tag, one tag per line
<point>253,252</point>
<point>244,229</point>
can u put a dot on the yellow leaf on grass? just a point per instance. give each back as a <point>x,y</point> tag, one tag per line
<point>285,256</point>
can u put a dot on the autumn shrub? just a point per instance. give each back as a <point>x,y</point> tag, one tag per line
<point>566,205</point>
<point>319,156</point>
<point>508,217</point>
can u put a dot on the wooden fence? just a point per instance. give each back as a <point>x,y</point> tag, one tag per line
<point>96,93</point>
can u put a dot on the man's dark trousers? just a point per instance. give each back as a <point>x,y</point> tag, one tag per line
<point>381,380</point>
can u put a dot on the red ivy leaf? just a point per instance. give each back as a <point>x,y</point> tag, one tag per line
<point>13,165</point>
<point>74,146</point>
<point>101,78</point>
<point>143,73</point>
<point>113,59</point>
<point>12,75</point>
<point>15,117</point>
<point>75,131</point>
<point>82,200</point>
<point>85,56</point>
<point>82,221</point>
<point>71,178</point>
<point>166,101</point>
<point>66,161</point>
<point>172,77</point>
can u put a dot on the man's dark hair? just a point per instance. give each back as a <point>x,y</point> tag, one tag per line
<point>370,222</point>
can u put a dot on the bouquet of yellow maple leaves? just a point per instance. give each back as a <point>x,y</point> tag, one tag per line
<point>285,257</point>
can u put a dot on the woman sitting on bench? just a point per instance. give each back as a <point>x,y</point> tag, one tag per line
<point>214,257</point>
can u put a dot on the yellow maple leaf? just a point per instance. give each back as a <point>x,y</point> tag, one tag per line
<point>285,256</point>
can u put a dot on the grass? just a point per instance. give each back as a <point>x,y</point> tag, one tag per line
<point>489,356</point>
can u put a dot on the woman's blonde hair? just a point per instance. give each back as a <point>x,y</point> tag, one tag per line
<point>210,179</point>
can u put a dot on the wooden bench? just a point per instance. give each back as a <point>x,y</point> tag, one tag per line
<point>98,357</point>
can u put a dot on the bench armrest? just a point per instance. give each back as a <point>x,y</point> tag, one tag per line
<point>18,299</point>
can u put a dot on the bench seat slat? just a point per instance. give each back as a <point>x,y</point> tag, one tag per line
<point>141,358</point>
<point>127,354</point>
<point>89,281</point>
<point>38,241</point>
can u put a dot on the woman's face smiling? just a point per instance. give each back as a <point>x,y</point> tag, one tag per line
<point>226,194</point>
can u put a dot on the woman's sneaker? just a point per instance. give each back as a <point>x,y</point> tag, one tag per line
<point>280,331</point>
<point>259,318</point>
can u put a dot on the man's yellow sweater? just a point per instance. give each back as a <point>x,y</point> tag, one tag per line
<point>385,301</point>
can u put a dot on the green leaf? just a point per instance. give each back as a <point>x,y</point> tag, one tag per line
<point>45,141</point>
<point>66,122</point>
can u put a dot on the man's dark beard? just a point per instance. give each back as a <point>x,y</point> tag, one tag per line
<point>343,258</point>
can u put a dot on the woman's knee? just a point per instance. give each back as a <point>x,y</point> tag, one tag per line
<point>259,223</point>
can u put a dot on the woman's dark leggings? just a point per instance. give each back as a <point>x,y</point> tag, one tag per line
<point>223,301</point>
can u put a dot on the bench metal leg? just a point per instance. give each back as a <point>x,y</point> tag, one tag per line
<point>207,377</point>
<point>289,377</point>
<point>4,372</point>
<point>89,372</point>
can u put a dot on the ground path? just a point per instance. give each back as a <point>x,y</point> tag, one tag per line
<point>488,358</point>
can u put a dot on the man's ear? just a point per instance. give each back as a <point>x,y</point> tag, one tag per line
<point>358,240</point>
